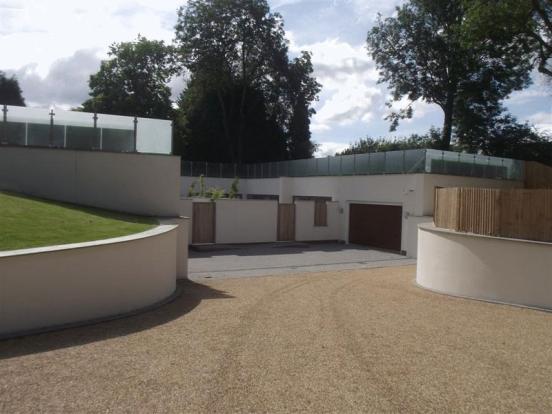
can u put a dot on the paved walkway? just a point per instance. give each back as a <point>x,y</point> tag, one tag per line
<point>229,261</point>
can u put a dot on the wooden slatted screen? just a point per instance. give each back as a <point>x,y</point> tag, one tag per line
<point>203,223</point>
<point>286,222</point>
<point>515,213</point>
<point>537,175</point>
<point>320,213</point>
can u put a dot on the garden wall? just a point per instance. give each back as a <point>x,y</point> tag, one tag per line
<point>50,287</point>
<point>305,230</point>
<point>134,183</point>
<point>246,221</point>
<point>485,267</point>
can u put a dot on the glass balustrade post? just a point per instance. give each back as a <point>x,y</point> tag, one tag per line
<point>4,138</point>
<point>135,133</point>
<point>95,120</point>
<point>51,132</point>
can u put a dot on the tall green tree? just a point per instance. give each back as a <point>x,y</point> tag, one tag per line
<point>530,21</point>
<point>302,89</point>
<point>134,80</point>
<point>236,54</point>
<point>10,92</point>
<point>422,53</point>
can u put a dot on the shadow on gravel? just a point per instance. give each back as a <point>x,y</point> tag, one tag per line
<point>191,295</point>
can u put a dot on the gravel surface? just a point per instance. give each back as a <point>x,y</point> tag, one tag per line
<point>351,341</point>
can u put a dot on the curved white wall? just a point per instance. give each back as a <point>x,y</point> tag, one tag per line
<point>57,285</point>
<point>481,267</point>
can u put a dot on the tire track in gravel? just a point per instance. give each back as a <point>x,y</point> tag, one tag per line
<point>354,344</point>
<point>230,364</point>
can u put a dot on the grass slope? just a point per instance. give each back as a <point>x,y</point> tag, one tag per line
<point>29,222</point>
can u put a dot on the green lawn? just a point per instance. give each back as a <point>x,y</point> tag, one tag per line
<point>30,222</point>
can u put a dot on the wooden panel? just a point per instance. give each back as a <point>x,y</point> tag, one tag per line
<point>526,214</point>
<point>537,175</point>
<point>286,222</point>
<point>376,225</point>
<point>320,213</point>
<point>203,223</point>
<point>515,213</point>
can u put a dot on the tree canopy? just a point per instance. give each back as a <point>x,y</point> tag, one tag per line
<point>10,92</point>
<point>529,21</point>
<point>414,141</point>
<point>246,100</point>
<point>134,81</point>
<point>422,54</point>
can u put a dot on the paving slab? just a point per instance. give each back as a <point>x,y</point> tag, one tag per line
<point>247,260</point>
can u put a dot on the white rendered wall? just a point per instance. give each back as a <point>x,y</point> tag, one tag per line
<point>246,221</point>
<point>413,192</point>
<point>133,183</point>
<point>51,286</point>
<point>483,267</point>
<point>305,230</point>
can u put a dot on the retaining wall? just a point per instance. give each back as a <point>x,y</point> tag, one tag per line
<point>53,286</point>
<point>142,184</point>
<point>485,267</point>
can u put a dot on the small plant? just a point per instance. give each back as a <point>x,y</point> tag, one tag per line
<point>214,193</point>
<point>192,190</point>
<point>233,193</point>
<point>202,192</point>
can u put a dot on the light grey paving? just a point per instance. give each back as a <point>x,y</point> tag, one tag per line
<point>229,261</point>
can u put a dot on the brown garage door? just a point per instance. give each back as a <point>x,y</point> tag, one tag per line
<point>376,225</point>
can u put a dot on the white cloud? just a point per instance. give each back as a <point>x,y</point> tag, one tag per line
<point>420,108</point>
<point>42,31</point>
<point>542,121</point>
<point>329,148</point>
<point>348,77</point>
<point>65,84</point>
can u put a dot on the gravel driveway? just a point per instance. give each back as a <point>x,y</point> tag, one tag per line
<point>351,341</point>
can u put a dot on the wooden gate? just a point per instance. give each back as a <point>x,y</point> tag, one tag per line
<point>286,222</point>
<point>203,223</point>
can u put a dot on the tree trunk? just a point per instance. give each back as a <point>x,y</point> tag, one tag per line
<point>225,125</point>
<point>241,126</point>
<point>447,123</point>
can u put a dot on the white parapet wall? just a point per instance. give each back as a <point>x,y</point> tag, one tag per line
<point>486,268</point>
<point>134,183</point>
<point>50,287</point>
<point>246,221</point>
<point>305,230</point>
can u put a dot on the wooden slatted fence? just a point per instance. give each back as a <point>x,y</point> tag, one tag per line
<point>514,213</point>
<point>537,175</point>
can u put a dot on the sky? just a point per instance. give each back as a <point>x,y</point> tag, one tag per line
<point>54,46</point>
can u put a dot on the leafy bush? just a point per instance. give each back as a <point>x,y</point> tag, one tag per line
<point>234,188</point>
